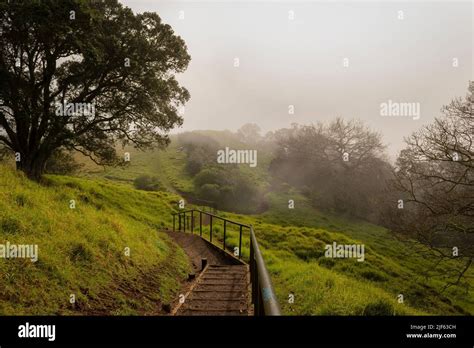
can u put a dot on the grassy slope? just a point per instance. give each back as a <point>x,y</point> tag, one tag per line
<point>293,243</point>
<point>345,286</point>
<point>168,164</point>
<point>324,286</point>
<point>82,250</point>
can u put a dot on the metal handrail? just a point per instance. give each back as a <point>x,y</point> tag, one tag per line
<point>260,278</point>
<point>263,295</point>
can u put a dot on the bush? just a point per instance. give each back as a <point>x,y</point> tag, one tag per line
<point>210,192</point>
<point>198,157</point>
<point>326,262</point>
<point>200,150</point>
<point>381,307</point>
<point>374,276</point>
<point>80,253</point>
<point>10,225</point>
<point>62,162</point>
<point>147,183</point>
<point>228,188</point>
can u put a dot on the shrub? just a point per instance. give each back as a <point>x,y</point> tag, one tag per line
<point>10,225</point>
<point>62,163</point>
<point>210,192</point>
<point>381,307</point>
<point>228,188</point>
<point>80,253</point>
<point>374,276</point>
<point>326,262</point>
<point>147,183</point>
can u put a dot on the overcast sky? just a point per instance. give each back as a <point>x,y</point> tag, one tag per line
<point>297,58</point>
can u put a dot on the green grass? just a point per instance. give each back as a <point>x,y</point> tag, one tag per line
<point>167,165</point>
<point>82,250</point>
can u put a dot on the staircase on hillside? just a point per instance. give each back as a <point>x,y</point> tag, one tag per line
<point>226,285</point>
<point>220,290</point>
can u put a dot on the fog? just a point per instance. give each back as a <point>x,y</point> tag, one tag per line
<point>320,59</point>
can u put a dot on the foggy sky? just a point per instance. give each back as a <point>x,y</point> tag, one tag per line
<point>300,62</point>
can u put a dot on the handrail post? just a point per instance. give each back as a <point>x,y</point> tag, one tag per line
<point>200,223</point>
<point>179,218</point>
<point>192,221</point>
<point>184,216</point>
<point>240,243</point>
<point>210,230</point>
<point>225,223</point>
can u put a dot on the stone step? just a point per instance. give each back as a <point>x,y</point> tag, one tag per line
<point>228,267</point>
<point>221,281</point>
<point>222,287</point>
<point>230,273</point>
<point>218,295</point>
<point>224,279</point>
<point>197,312</point>
<point>215,305</point>
<point>230,270</point>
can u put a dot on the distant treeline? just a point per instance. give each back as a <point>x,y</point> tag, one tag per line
<point>340,166</point>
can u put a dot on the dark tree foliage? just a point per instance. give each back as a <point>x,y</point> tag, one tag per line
<point>201,150</point>
<point>228,188</point>
<point>86,52</point>
<point>62,162</point>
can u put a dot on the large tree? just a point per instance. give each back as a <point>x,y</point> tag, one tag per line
<point>339,166</point>
<point>435,187</point>
<point>61,58</point>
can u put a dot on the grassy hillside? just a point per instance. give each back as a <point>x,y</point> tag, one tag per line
<point>168,164</point>
<point>323,286</point>
<point>82,250</point>
<point>293,243</point>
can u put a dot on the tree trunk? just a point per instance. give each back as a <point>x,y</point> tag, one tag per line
<point>32,166</point>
